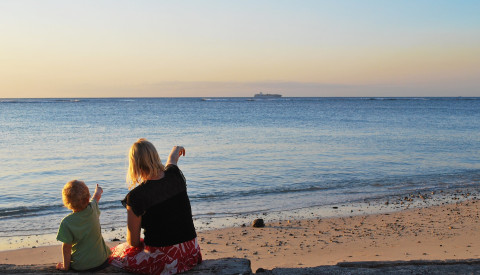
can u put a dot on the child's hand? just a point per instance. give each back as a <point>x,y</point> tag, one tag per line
<point>98,193</point>
<point>98,190</point>
<point>60,266</point>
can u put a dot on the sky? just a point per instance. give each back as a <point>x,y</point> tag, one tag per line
<point>117,48</point>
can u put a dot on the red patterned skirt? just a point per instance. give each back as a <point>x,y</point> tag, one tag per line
<point>157,260</point>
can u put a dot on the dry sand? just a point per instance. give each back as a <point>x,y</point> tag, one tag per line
<point>450,231</point>
<point>433,233</point>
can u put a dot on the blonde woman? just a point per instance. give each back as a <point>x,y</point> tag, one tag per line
<point>159,204</point>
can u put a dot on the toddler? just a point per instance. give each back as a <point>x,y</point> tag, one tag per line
<point>83,246</point>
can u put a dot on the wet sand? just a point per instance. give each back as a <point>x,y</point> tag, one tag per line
<point>439,232</point>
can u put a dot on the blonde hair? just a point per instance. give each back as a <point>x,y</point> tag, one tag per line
<point>75,195</point>
<point>143,163</point>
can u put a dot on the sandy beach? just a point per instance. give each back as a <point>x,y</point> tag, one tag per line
<point>440,232</point>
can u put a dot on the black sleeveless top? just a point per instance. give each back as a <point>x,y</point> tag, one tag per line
<point>165,209</point>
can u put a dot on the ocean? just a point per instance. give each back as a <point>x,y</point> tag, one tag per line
<point>244,157</point>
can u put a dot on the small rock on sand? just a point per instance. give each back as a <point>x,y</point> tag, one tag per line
<point>258,223</point>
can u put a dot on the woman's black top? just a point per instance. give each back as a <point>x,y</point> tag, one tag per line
<point>165,209</point>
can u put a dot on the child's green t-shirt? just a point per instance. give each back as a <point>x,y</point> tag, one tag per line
<point>82,230</point>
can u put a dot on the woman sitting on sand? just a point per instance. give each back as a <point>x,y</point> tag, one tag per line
<point>160,205</point>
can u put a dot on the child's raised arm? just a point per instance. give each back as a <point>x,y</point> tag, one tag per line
<point>98,193</point>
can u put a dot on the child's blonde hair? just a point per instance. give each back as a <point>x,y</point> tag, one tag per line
<point>143,163</point>
<point>75,195</point>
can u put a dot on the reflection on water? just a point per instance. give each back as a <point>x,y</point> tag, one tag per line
<point>242,156</point>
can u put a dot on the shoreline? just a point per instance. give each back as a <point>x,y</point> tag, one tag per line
<point>380,205</point>
<point>444,231</point>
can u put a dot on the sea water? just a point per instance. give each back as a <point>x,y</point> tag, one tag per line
<point>243,156</point>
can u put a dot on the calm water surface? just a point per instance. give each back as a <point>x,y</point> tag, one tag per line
<point>243,156</point>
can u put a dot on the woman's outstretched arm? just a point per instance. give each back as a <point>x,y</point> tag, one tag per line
<point>134,224</point>
<point>175,154</point>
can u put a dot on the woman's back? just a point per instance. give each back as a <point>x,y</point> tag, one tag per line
<point>165,209</point>
<point>169,222</point>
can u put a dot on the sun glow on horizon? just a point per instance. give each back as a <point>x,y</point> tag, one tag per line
<point>307,48</point>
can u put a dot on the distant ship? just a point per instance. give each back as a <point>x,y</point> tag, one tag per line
<point>262,95</point>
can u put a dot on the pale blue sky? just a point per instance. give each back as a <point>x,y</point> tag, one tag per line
<point>237,48</point>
